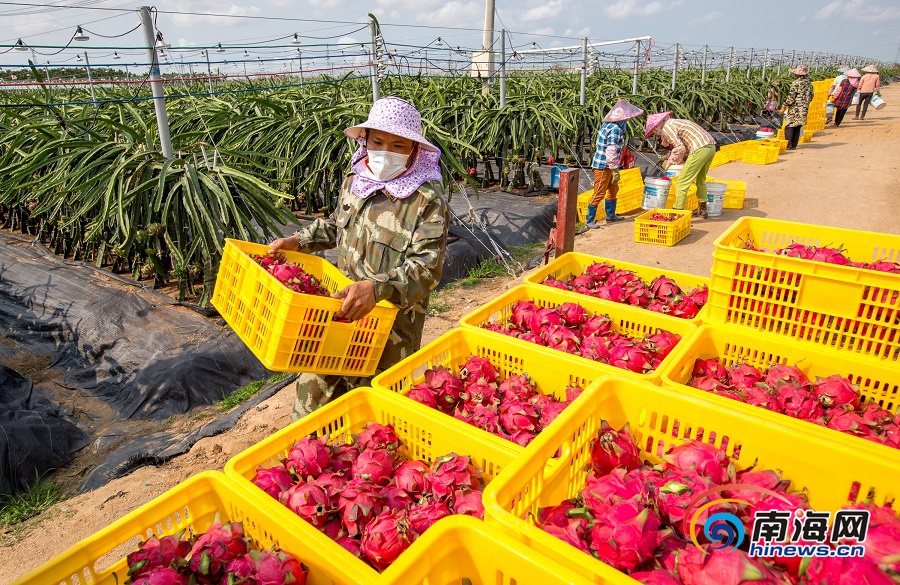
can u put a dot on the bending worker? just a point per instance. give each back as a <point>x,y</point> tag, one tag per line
<point>390,229</point>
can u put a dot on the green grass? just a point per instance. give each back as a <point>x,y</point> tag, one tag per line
<point>438,305</point>
<point>523,254</point>
<point>243,394</point>
<point>32,502</point>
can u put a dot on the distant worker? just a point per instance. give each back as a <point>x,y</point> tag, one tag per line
<point>608,160</point>
<point>690,144</point>
<point>843,95</point>
<point>797,103</point>
<point>868,85</point>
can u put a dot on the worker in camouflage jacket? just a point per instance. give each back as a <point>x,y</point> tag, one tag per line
<point>390,229</point>
<point>797,103</point>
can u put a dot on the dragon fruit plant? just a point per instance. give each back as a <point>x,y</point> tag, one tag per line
<point>636,517</point>
<point>571,329</point>
<point>221,555</point>
<point>662,294</point>
<point>292,276</point>
<point>363,496</point>
<point>825,254</point>
<point>512,409</point>
<point>832,402</point>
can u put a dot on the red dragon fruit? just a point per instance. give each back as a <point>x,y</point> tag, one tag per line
<point>844,571</point>
<point>594,347</point>
<point>516,415</point>
<point>836,390</point>
<point>883,536</point>
<point>155,553</point>
<point>703,459</point>
<point>632,358</point>
<point>626,534</point>
<point>342,457</point>
<point>386,537</point>
<point>423,394</point>
<point>597,325</point>
<point>309,457</point>
<point>333,484</point>
<point>521,314</point>
<point>831,256</point>
<point>779,375</point>
<point>561,338</point>
<point>762,397</point>
<point>446,386</point>
<point>659,307</point>
<point>619,484</point>
<point>478,369</point>
<point>376,436</point>
<point>273,480</point>
<point>884,266</point>
<point>612,293</point>
<point>523,438</point>
<point>450,473</point>
<point>478,393</point>
<point>744,375</point>
<point>557,515</point>
<point>360,501</point>
<point>613,449</point>
<point>333,529</point>
<point>600,271</point>
<point>710,367</point>
<point>544,318</point>
<point>722,567</point>
<point>798,402</point>
<point>675,496</point>
<point>699,295</point>
<point>396,499</point>
<point>573,392</point>
<point>266,568</point>
<point>553,283</point>
<point>550,411</point>
<point>161,576</point>
<point>426,512</point>
<point>497,328</point>
<point>468,503</point>
<point>410,477</point>
<point>351,545</point>
<point>686,308</point>
<point>708,384</point>
<point>517,387</point>
<point>665,289</point>
<point>874,416</point>
<point>662,343</point>
<point>622,277</point>
<point>657,577</point>
<point>573,314</point>
<point>374,465</point>
<point>486,417</point>
<point>766,478</point>
<point>215,548</point>
<point>533,338</point>
<point>638,294</point>
<point>309,501</point>
<point>582,284</point>
<point>574,533</point>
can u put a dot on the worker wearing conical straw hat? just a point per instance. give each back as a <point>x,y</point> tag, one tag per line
<point>608,160</point>
<point>868,85</point>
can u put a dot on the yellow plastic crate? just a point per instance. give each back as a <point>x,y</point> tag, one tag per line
<point>627,320</point>
<point>719,159</point>
<point>834,473</point>
<point>461,549</point>
<point>760,154</point>
<point>662,233</point>
<point>293,332</point>
<point>729,344</point>
<point>779,142</point>
<point>424,434</point>
<point>850,309</point>
<point>551,371</point>
<point>734,196</point>
<point>629,198</point>
<point>691,201</point>
<point>100,558</point>
<point>574,264</point>
<point>807,137</point>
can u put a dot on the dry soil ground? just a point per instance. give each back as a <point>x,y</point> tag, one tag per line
<point>847,177</point>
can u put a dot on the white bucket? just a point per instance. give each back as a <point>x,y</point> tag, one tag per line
<point>878,102</point>
<point>760,135</point>
<point>656,191</point>
<point>715,198</point>
<point>674,171</point>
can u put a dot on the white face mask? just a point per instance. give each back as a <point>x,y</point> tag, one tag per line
<point>387,165</point>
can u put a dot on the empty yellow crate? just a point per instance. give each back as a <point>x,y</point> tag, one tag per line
<point>780,143</point>
<point>850,309</point>
<point>627,320</point>
<point>878,382</point>
<point>424,434</point>
<point>551,371</point>
<point>833,473</point>
<point>631,193</point>
<point>193,505</point>
<point>292,332</point>
<point>734,196</point>
<point>760,154</point>
<point>461,549</point>
<point>574,264</point>
<point>662,233</point>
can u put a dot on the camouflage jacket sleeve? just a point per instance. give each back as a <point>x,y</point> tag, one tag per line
<point>320,235</point>
<point>413,280</point>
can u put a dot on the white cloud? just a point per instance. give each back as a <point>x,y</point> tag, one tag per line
<point>451,13</point>
<point>858,10</point>
<point>544,11</point>
<point>547,30</point>
<point>707,18</point>
<point>634,8</point>
<point>183,42</point>
<point>584,32</point>
<point>197,21</point>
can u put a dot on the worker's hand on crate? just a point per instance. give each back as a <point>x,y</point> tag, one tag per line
<point>291,243</point>
<point>359,300</point>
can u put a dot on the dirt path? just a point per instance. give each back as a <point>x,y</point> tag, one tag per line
<point>847,177</point>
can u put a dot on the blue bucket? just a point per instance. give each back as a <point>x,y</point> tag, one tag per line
<point>554,175</point>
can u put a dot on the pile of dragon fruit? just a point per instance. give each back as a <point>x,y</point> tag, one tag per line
<point>362,496</point>
<point>222,556</point>
<point>292,276</point>
<point>828,255</point>
<point>831,402</point>
<point>662,295</point>
<point>571,329</point>
<point>657,216</point>
<point>511,409</point>
<point>637,518</point>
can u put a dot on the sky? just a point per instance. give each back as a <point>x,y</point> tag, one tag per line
<point>860,27</point>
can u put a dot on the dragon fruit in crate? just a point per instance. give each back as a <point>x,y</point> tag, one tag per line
<point>377,436</point>
<point>265,568</point>
<point>309,457</point>
<point>410,476</point>
<point>450,473</point>
<point>155,553</point>
<point>309,501</point>
<point>215,548</point>
<point>386,536</point>
<point>614,449</point>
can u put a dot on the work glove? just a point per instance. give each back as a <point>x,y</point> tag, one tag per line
<point>615,176</point>
<point>665,165</point>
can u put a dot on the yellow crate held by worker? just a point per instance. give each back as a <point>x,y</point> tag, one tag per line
<point>662,233</point>
<point>555,465</point>
<point>846,308</point>
<point>293,332</point>
<point>192,506</point>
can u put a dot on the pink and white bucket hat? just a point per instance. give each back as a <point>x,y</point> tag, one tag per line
<point>622,111</point>
<point>396,116</point>
<point>654,120</point>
